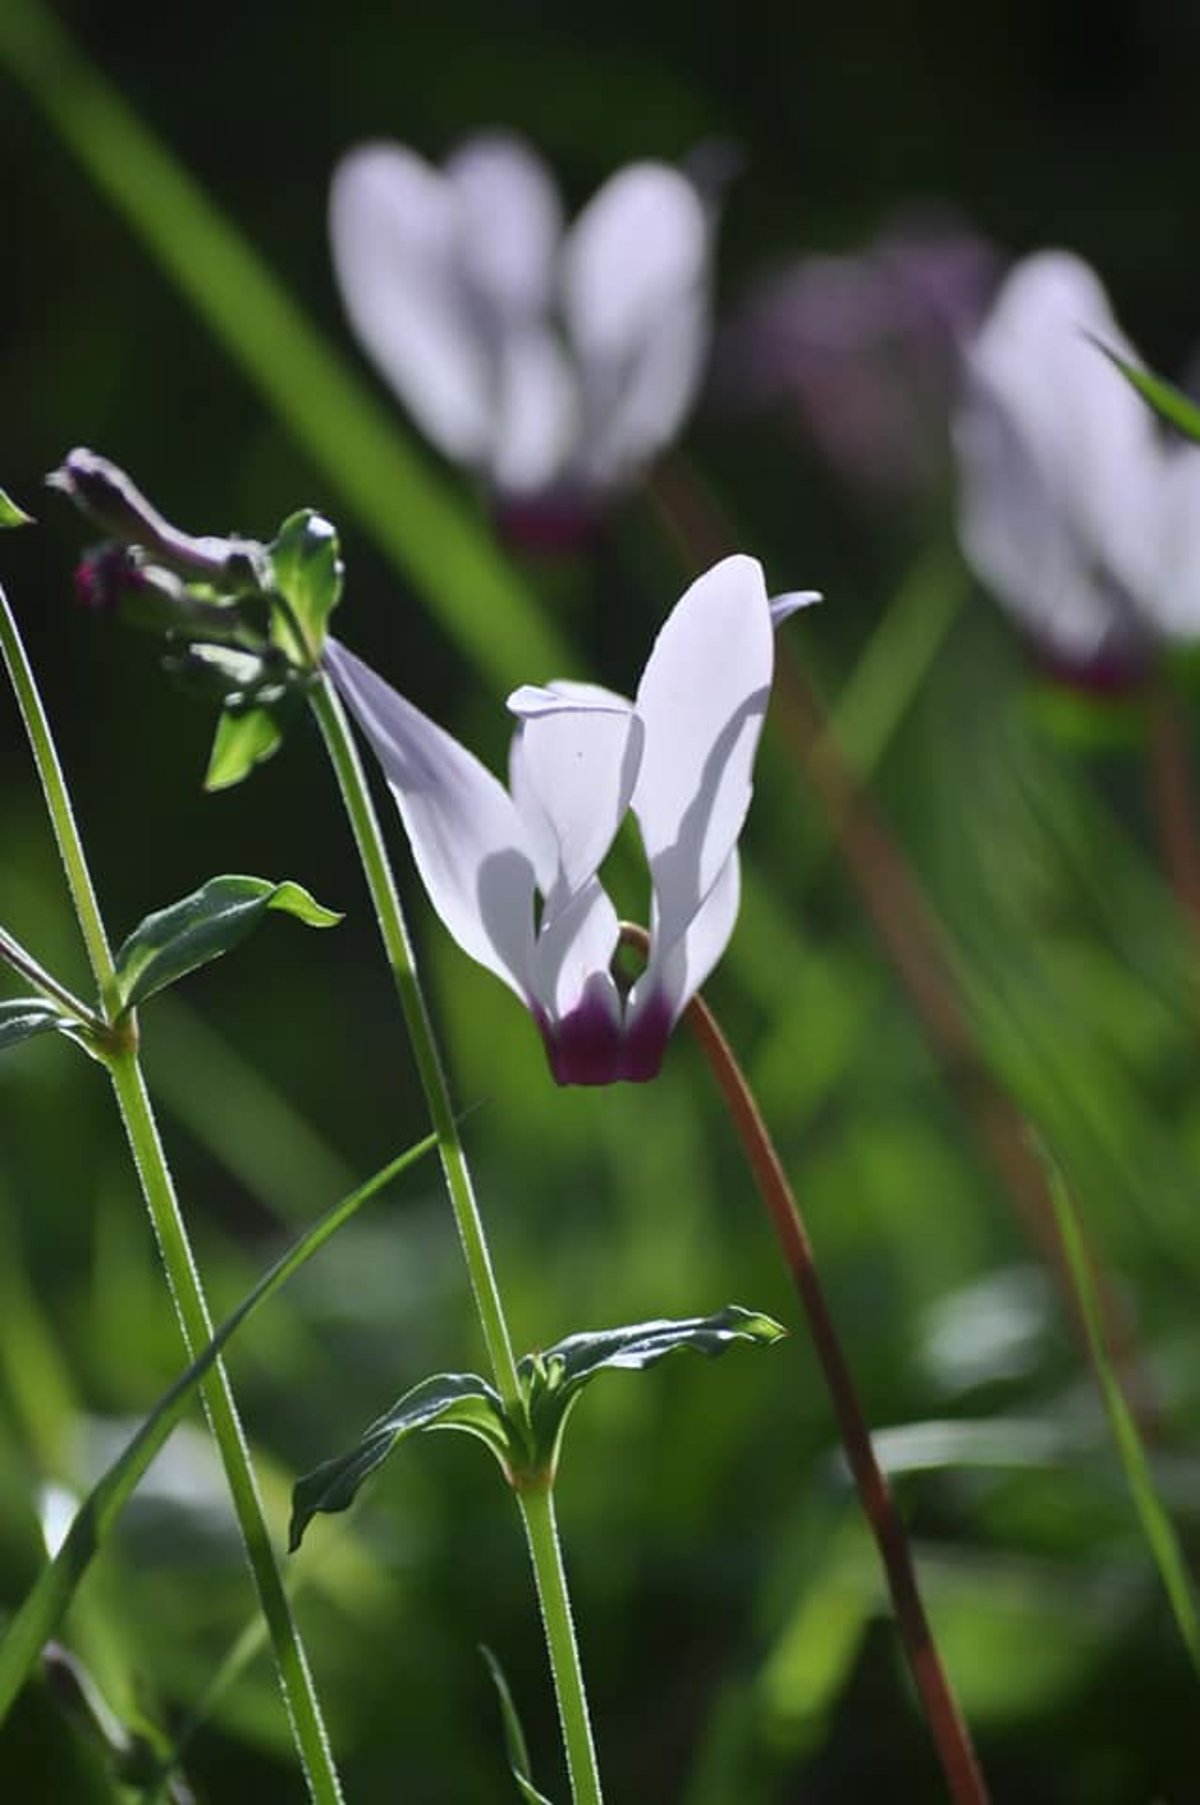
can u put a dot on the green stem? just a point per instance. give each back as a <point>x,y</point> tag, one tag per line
<point>137,1114</point>
<point>541,1532</point>
<point>182,1275</point>
<point>15,955</point>
<point>58,802</point>
<point>381,884</point>
<point>537,1507</point>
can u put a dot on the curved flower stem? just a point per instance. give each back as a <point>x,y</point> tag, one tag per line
<point>916,943</point>
<point>537,1505</point>
<point>183,1278</point>
<point>950,1734</point>
<point>541,1533</point>
<point>371,849</point>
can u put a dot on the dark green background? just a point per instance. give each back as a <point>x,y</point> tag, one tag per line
<point>735,1639</point>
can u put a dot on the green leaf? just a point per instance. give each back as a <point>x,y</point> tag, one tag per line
<point>307,563</point>
<point>25,1016</point>
<point>214,919</point>
<point>47,1603</point>
<point>445,1401</point>
<point>242,741</point>
<point>11,514</point>
<point>1168,402</point>
<point>554,1379</point>
<point>514,1735</point>
<point>1156,1525</point>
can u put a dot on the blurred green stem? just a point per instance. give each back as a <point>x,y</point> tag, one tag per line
<point>545,1551</point>
<point>537,1508</point>
<point>175,1249</point>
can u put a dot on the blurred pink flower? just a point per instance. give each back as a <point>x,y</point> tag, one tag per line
<point>863,349</point>
<point>555,363</point>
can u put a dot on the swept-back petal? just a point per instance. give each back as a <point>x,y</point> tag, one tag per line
<point>702,699</point>
<point>574,764</point>
<point>393,224</point>
<point>510,225</point>
<point>636,277</point>
<point>536,412</point>
<point>1059,460</point>
<point>640,243</point>
<point>1173,597</point>
<point>575,949</point>
<point>784,606</point>
<point>469,843</point>
<point>669,983</point>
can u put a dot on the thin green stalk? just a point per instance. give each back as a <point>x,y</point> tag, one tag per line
<point>15,955</point>
<point>541,1532</point>
<point>58,802</point>
<point>1156,1525</point>
<point>381,884</point>
<point>537,1508</point>
<point>182,1275</point>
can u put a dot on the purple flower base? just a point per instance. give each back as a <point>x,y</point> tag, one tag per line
<point>589,1047</point>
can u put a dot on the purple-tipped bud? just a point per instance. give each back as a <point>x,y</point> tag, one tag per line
<point>102,491</point>
<point>107,496</point>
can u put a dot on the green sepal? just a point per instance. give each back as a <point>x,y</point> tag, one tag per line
<point>11,514</point>
<point>307,563</point>
<point>214,919</point>
<point>552,1380</point>
<point>241,742</point>
<point>1168,402</point>
<point>514,1735</point>
<point>461,1401</point>
<point>23,1017</point>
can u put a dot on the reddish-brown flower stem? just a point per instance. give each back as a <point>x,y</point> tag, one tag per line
<point>915,941</point>
<point>951,1737</point>
<point>1172,798</point>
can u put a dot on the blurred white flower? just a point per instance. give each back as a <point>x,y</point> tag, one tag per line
<point>555,363</point>
<point>679,755</point>
<point>1076,508</point>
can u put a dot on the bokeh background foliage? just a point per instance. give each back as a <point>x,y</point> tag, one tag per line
<point>736,1640</point>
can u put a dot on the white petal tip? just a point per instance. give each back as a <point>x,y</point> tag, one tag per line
<point>784,605</point>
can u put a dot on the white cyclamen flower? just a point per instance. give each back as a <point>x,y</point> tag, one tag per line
<point>679,755</point>
<point>1074,508</point>
<point>550,361</point>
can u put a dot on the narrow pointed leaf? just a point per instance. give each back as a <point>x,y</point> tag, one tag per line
<point>1156,1525</point>
<point>307,562</point>
<point>514,1735</point>
<point>11,514</point>
<point>1168,402</point>
<point>214,919</point>
<point>47,1603</point>
<point>553,1379</point>
<point>23,1017</point>
<point>241,742</point>
<point>445,1401</point>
